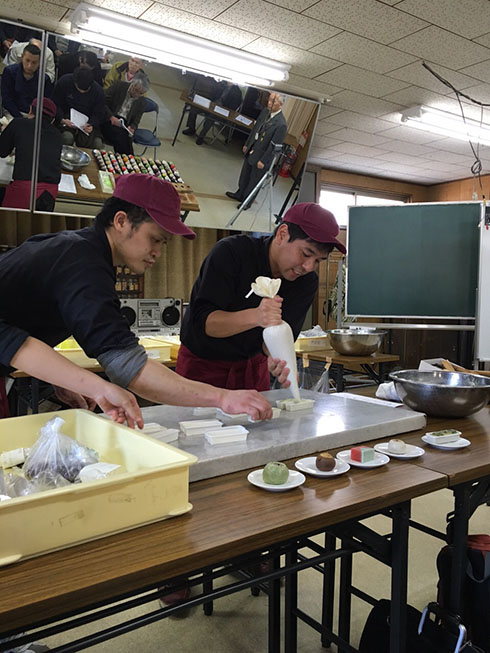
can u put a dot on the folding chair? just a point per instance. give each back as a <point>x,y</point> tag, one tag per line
<point>146,137</point>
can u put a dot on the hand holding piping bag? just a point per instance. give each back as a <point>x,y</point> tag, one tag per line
<point>278,337</point>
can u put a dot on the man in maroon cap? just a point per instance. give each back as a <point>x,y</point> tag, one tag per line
<point>19,136</point>
<point>57,285</point>
<point>221,334</point>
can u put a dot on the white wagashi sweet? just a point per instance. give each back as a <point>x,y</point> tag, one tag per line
<point>397,446</point>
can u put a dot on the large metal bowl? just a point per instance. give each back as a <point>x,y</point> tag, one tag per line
<point>356,342</point>
<point>73,159</point>
<point>442,394</point>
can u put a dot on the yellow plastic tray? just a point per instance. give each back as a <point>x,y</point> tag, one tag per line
<point>311,344</point>
<point>153,485</point>
<point>157,348</point>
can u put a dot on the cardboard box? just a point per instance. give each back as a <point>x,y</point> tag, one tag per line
<point>152,485</point>
<point>311,344</point>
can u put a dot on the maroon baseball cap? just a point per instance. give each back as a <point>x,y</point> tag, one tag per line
<point>318,223</point>
<point>49,107</point>
<point>159,199</point>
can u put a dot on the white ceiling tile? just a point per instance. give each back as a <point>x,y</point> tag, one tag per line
<point>399,167</point>
<point>303,63</point>
<point>404,159</point>
<point>300,82</point>
<point>358,160</point>
<point>479,71</point>
<point>326,111</point>
<point>136,8</point>
<point>389,2</point>
<point>411,135</point>
<point>361,150</point>
<point>441,166</point>
<point>367,18</point>
<point>480,92</point>
<point>289,27</point>
<point>362,81</point>
<point>371,106</point>
<point>208,9</point>
<point>413,95</point>
<point>469,18</point>
<point>442,47</point>
<point>455,145</point>
<point>325,127</point>
<point>208,29</point>
<point>406,148</point>
<point>416,74</point>
<point>359,121</point>
<point>294,5</point>
<point>362,52</point>
<point>324,153</point>
<point>449,157</point>
<point>484,40</point>
<point>35,8</point>
<point>326,141</point>
<point>363,138</point>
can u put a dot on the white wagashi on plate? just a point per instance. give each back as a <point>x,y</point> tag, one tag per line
<point>397,446</point>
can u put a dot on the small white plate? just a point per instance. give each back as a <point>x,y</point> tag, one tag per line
<point>295,480</point>
<point>461,443</point>
<point>308,465</point>
<point>411,451</point>
<point>379,459</point>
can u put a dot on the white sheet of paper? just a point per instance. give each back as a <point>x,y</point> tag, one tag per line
<point>221,111</point>
<point>370,400</point>
<point>67,184</point>
<point>6,171</point>
<point>246,121</point>
<point>78,119</point>
<point>203,101</point>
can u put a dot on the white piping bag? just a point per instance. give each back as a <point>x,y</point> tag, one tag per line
<point>278,338</point>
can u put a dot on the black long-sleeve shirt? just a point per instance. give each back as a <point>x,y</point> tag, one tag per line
<point>224,279</point>
<point>19,135</point>
<point>56,285</point>
<point>92,103</point>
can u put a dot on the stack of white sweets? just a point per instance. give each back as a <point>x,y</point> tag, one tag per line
<point>160,432</point>
<point>214,431</point>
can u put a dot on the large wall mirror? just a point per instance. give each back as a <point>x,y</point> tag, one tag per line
<point>206,160</point>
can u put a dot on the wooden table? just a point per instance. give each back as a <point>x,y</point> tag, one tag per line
<point>230,518</point>
<point>96,196</point>
<point>340,364</point>
<point>231,119</point>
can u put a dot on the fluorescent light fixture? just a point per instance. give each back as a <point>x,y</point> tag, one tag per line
<point>114,31</point>
<point>444,123</point>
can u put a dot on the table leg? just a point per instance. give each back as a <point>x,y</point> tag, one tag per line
<point>338,373</point>
<point>207,587</point>
<point>180,123</point>
<point>345,594</point>
<point>290,605</point>
<point>275,608</point>
<point>328,589</point>
<point>459,542</point>
<point>399,565</point>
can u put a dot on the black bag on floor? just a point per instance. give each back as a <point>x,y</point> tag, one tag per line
<point>446,635</point>
<point>475,607</point>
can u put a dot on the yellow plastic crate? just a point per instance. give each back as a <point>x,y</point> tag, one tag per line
<point>153,485</point>
<point>311,344</point>
<point>156,348</point>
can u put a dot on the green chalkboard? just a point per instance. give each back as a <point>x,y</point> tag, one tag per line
<point>415,260</point>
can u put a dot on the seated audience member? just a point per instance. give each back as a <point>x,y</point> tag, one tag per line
<point>7,37</point>
<point>19,83</point>
<point>207,87</point>
<point>19,136</point>
<point>124,101</point>
<point>230,98</point>
<point>83,58</point>
<point>14,55</point>
<point>79,91</point>
<point>124,71</point>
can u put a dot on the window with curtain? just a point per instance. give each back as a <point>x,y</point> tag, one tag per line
<point>338,201</point>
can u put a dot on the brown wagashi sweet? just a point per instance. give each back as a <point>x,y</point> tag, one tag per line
<point>325,462</point>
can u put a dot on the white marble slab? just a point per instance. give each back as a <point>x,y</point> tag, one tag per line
<point>335,421</point>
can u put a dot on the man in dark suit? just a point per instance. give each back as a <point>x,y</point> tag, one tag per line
<point>124,100</point>
<point>270,129</point>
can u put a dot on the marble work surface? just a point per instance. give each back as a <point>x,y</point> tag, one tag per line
<point>335,421</point>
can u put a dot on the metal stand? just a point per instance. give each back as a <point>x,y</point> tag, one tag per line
<point>266,181</point>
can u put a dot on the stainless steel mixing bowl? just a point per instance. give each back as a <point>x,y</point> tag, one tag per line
<point>356,342</point>
<point>442,394</point>
<point>73,159</point>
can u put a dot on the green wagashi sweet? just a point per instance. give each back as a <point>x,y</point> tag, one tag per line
<point>275,473</point>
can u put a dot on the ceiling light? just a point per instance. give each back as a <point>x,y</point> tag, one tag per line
<point>118,32</point>
<point>443,123</point>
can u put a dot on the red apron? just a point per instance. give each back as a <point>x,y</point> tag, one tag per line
<point>249,374</point>
<point>18,193</point>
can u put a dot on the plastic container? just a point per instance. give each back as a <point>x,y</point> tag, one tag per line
<point>311,344</point>
<point>153,484</point>
<point>156,348</point>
